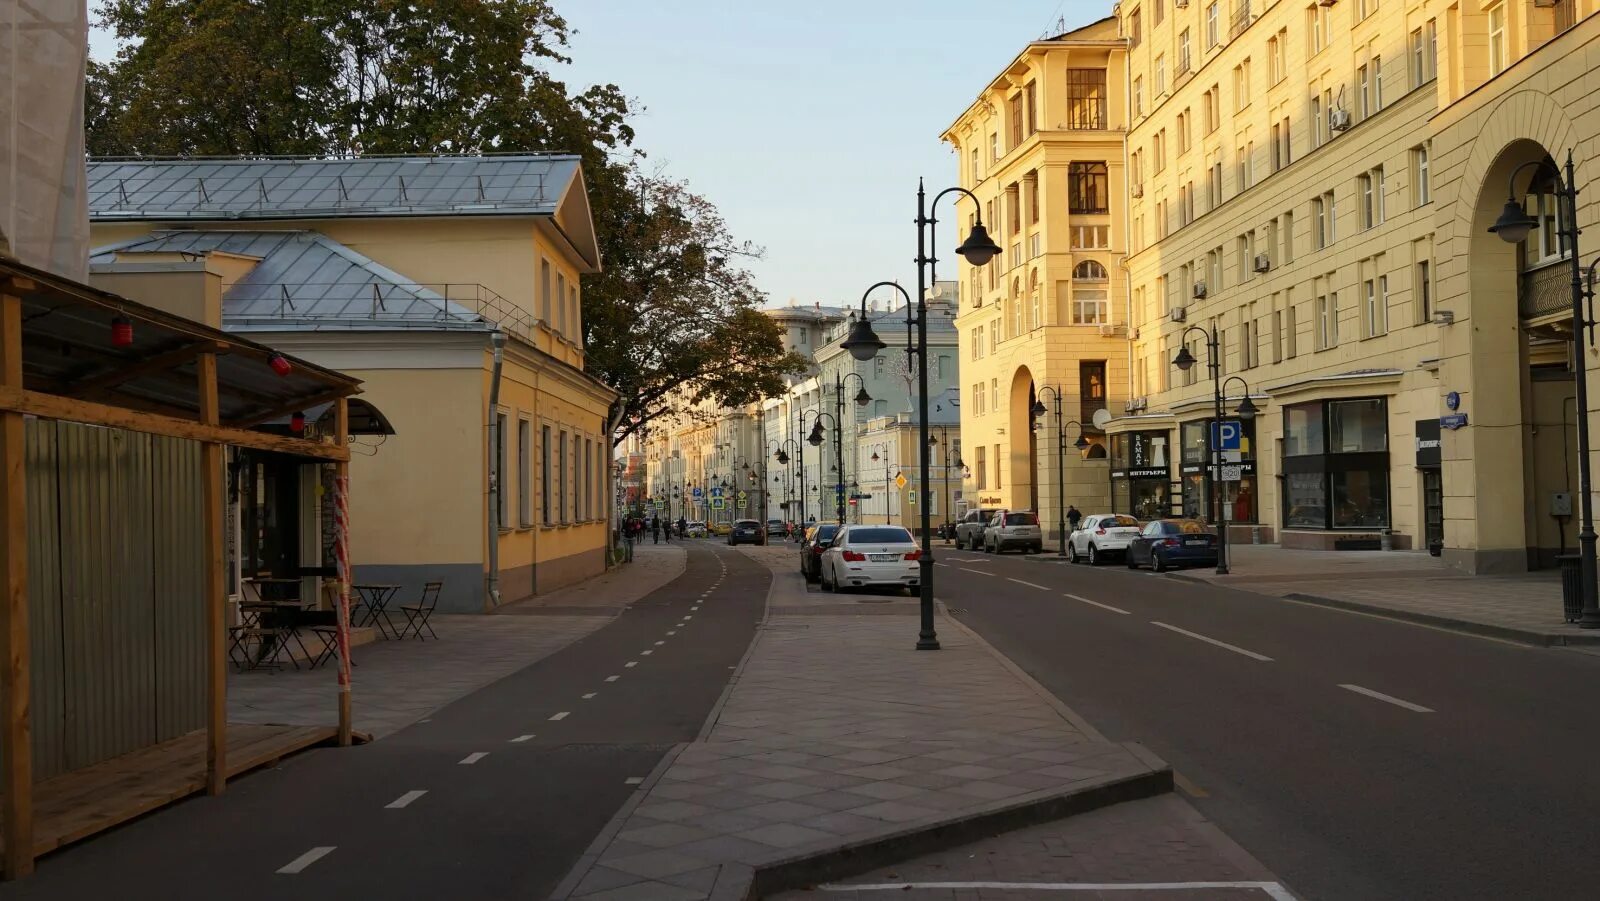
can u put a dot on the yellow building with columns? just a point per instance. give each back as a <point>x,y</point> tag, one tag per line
<point>1041,148</point>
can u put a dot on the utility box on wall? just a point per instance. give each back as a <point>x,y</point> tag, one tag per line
<point>1561,503</point>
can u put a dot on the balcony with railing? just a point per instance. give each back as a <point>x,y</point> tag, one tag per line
<point>1240,21</point>
<point>1545,291</point>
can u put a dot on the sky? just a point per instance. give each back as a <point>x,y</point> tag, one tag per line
<point>807,124</point>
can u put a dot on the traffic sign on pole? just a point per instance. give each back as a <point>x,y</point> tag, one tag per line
<point>1227,435</point>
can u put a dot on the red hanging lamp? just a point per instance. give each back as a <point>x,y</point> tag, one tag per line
<point>280,365</point>
<point>297,422</point>
<point>121,332</point>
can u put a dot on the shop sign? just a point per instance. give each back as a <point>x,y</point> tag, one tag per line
<point>1429,444</point>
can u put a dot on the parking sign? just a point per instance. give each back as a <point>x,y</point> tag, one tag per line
<point>1227,435</point>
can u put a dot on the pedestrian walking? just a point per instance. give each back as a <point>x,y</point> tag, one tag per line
<point>1073,516</point>
<point>683,527</point>
<point>655,529</point>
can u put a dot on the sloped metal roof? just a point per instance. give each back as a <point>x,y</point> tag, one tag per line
<point>305,280</point>
<point>314,188</point>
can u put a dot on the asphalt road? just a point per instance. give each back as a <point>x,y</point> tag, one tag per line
<point>1357,757</point>
<point>509,823</point>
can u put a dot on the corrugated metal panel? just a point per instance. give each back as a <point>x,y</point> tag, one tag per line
<point>107,582</point>
<point>177,538</point>
<point>48,674</point>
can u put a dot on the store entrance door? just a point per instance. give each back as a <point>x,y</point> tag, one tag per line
<point>1433,508</point>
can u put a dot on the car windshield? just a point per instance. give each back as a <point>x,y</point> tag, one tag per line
<point>1022,519</point>
<point>879,536</point>
<point>826,533</point>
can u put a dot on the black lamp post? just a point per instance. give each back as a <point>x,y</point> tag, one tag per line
<point>1246,410</point>
<point>815,439</point>
<point>1038,410</point>
<point>864,344</point>
<point>782,456</point>
<point>862,398</point>
<point>1513,227</point>
<point>949,502</point>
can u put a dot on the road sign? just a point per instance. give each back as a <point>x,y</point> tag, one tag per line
<point>1231,435</point>
<point>912,498</point>
<point>716,492</point>
<point>743,497</point>
<point>660,504</point>
<point>697,492</point>
<point>716,503</point>
<point>1232,473</point>
<point>1232,456</point>
<point>900,480</point>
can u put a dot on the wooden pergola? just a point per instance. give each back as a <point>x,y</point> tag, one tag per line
<point>66,354</point>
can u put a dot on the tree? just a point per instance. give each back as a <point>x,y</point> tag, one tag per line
<point>674,319</point>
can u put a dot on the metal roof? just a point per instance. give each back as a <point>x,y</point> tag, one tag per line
<point>305,280</point>
<point>319,188</point>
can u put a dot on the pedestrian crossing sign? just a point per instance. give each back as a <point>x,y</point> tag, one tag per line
<point>716,503</point>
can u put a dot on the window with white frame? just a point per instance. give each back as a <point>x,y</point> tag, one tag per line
<point>1319,123</point>
<point>1161,74</point>
<point>1212,19</point>
<point>1327,320</point>
<point>1138,96</point>
<point>1377,83</point>
<point>524,472</point>
<point>1241,85</point>
<point>545,508</point>
<point>1091,294</point>
<point>1498,50</point>
<point>1376,291</point>
<point>1419,175</point>
<point>1316,29</point>
<point>1183,52</point>
<point>1363,92</point>
<point>1091,237</point>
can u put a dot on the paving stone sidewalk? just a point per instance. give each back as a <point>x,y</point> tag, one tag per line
<point>1406,584</point>
<point>653,566</point>
<point>836,730</point>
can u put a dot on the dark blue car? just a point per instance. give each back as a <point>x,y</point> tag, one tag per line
<point>1166,543</point>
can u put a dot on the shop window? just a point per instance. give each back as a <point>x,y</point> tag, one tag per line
<point>524,476</point>
<point>1336,465</point>
<point>500,469</point>
<point>544,474</point>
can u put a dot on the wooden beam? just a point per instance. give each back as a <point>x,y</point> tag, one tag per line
<point>216,595</point>
<point>157,363</point>
<point>279,409</point>
<point>16,738</point>
<point>50,406</point>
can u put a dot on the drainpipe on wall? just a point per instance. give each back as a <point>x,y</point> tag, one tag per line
<point>497,341</point>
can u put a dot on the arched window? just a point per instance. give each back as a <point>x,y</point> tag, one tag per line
<point>1090,294</point>
<point>1034,302</point>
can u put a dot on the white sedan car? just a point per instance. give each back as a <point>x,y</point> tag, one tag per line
<point>862,556</point>
<point>1102,535</point>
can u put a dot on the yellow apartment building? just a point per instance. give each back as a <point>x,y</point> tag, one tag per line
<point>451,286</point>
<point>1042,148</point>
<point>1310,188</point>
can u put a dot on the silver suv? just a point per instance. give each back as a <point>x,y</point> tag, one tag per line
<point>969,531</point>
<point>1013,529</point>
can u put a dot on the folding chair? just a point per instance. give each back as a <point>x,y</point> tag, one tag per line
<point>417,614</point>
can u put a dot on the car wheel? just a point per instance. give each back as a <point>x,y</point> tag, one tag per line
<point>1072,552</point>
<point>1094,556</point>
<point>1160,564</point>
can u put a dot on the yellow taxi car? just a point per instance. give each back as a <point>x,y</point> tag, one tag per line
<point>721,528</point>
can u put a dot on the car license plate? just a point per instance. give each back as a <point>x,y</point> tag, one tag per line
<point>883,558</point>
<point>1196,542</point>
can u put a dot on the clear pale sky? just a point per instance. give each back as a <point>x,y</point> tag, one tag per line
<point>808,124</point>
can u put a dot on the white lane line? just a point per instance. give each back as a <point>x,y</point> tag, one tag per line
<point>635,780</point>
<point>660,643</point>
<point>588,696</point>
<point>1273,890</point>
<point>937,563</point>
<point>612,678</point>
<point>646,653</point>
<point>978,571</point>
<point>474,757</point>
<point>405,799</point>
<point>1029,584</point>
<point>672,631</point>
<point>689,616</point>
<point>522,738</point>
<point>306,859</point>
<point>1221,644</point>
<point>631,664</point>
<point>554,717</point>
<point>1391,699</point>
<point>1096,604</point>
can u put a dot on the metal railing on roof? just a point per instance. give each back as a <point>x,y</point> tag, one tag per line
<point>391,305</point>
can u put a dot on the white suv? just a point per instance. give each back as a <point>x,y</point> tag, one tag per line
<point>1013,529</point>
<point>1101,535</point>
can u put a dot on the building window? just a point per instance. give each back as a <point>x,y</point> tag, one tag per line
<point>1277,55</point>
<point>1030,115</point>
<point>1291,332</point>
<point>1087,187</point>
<point>1214,186</point>
<point>980,467</point>
<point>1364,188</point>
<point>994,147</point>
<point>1185,120</point>
<point>1336,464</point>
<point>1158,148</point>
<point>1183,53</point>
<point>1327,320</point>
<point>1365,8</point>
<point>1212,18</point>
<point>1159,10</point>
<point>1090,294</point>
<point>1424,43</point>
<point>1363,92</point>
<point>524,472</point>
<point>1138,96</point>
<point>1035,300</point>
<point>1322,221</point>
<point>1241,85</point>
<point>1033,198</point>
<point>976,177</point>
<point>502,470</point>
<point>1086,99</point>
<point>1214,271</point>
<point>1497,40</point>
<point>1377,305</point>
<point>1287,231</point>
<point>1161,74</point>
<point>1316,29</point>
<point>1134,29</point>
<point>544,291</point>
<point>561,477</point>
<point>1377,83</point>
<point>1419,174</point>
<point>994,336</point>
<point>1241,174</point>
<point>1424,291</point>
<point>1318,123</point>
<point>544,474</point>
<point>1091,237</point>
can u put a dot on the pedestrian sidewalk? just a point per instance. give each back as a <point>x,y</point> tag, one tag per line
<point>838,747</point>
<point>653,566</point>
<point>1409,585</point>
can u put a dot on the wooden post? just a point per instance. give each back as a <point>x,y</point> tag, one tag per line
<point>16,729</point>
<point>216,587</point>
<point>341,500</point>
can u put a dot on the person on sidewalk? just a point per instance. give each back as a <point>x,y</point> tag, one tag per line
<point>1072,517</point>
<point>655,529</point>
<point>683,528</point>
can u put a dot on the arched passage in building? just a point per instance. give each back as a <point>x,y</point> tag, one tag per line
<point>1023,461</point>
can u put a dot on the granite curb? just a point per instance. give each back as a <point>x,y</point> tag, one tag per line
<point>591,854</point>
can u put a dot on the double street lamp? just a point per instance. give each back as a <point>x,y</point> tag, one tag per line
<point>1038,410</point>
<point>863,344</point>
<point>1247,410</point>
<point>1513,227</point>
<point>782,456</point>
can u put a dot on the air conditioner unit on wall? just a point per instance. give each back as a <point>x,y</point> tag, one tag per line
<point>1262,262</point>
<point>1199,290</point>
<point>1111,330</point>
<point>1179,314</point>
<point>1134,405</point>
<point>1339,119</point>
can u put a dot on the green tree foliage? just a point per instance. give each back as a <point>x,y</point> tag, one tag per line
<point>672,316</point>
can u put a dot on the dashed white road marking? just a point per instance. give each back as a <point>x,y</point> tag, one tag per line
<point>660,643</point>
<point>555,717</point>
<point>1391,699</point>
<point>1029,584</point>
<point>1273,890</point>
<point>688,616</point>
<point>612,678</point>
<point>306,859</point>
<point>635,780</point>
<point>589,695</point>
<point>405,799</point>
<point>631,663</point>
<point>978,571</point>
<point>672,631</point>
<point>1096,604</point>
<point>474,757</point>
<point>1212,641</point>
<point>522,738</point>
<point>646,653</point>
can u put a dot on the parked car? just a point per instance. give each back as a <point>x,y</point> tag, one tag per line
<point>777,528</point>
<point>969,531</point>
<point>1013,529</point>
<point>862,556</point>
<point>720,529</point>
<point>811,551</point>
<point>1166,543</point>
<point>696,529</point>
<point>1102,535</point>
<point>747,531</point>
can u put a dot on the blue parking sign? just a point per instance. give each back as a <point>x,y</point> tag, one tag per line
<point>1227,435</point>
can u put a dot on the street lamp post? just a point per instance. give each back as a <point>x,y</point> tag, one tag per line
<point>815,440</point>
<point>1247,410</point>
<point>1061,457</point>
<point>949,499</point>
<point>1513,227</point>
<point>864,344</point>
<point>862,398</point>
<point>782,456</point>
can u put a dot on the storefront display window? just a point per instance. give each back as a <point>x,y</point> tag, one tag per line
<point>1336,465</point>
<point>1357,426</point>
<point>1302,430</point>
<point>1238,496</point>
<point>1360,499</point>
<point>1141,474</point>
